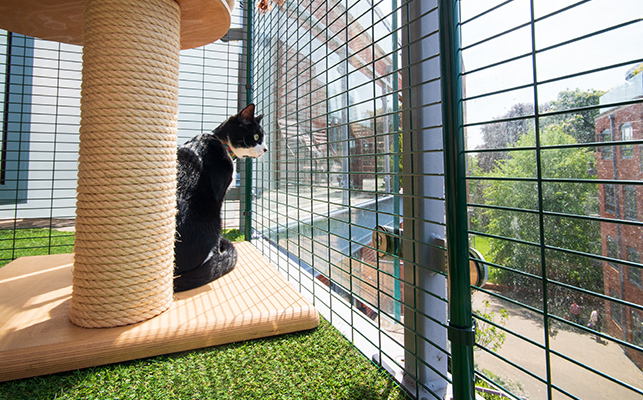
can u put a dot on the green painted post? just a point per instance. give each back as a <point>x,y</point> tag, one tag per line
<point>248,170</point>
<point>397,292</point>
<point>461,328</point>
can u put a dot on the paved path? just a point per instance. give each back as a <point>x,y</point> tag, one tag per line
<point>608,358</point>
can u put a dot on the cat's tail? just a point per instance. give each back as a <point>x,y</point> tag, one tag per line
<point>219,264</point>
<point>228,256</point>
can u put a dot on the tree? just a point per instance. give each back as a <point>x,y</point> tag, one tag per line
<point>516,123</point>
<point>579,124</point>
<point>504,134</point>
<point>523,224</point>
<point>500,135</point>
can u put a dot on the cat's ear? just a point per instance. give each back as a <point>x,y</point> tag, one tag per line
<point>248,113</point>
<point>258,118</point>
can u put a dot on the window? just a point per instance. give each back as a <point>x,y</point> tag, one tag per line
<point>637,329</point>
<point>610,198</point>
<point>634,273</point>
<point>606,151</point>
<point>629,196</point>
<point>611,249</point>
<point>616,308</point>
<point>16,116</point>
<point>590,164</point>
<point>627,151</point>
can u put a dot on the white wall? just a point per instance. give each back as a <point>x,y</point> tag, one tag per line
<point>208,94</point>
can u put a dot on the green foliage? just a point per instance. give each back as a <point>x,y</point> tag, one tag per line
<point>482,244</point>
<point>487,335</point>
<point>564,197</point>
<point>516,123</point>
<point>487,396</point>
<point>318,364</point>
<point>578,124</point>
<point>234,235</point>
<point>508,385</point>
<point>502,135</point>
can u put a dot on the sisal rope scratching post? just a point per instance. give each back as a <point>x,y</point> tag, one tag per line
<point>124,262</point>
<point>125,218</point>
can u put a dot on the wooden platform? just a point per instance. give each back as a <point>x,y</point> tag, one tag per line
<point>36,337</point>
<point>202,21</point>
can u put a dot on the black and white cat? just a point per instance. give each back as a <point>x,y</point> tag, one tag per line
<point>204,172</point>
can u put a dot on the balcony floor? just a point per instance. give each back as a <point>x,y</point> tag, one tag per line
<point>36,336</point>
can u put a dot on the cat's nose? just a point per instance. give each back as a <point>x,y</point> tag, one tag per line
<point>265,149</point>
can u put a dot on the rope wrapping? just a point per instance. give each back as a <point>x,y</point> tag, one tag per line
<point>126,196</point>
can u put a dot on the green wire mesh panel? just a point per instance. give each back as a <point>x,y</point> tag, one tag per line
<point>40,87</point>
<point>556,211</point>
<point>553,119</point>
<point>329,77</point>
<point>212,87</point>
<point>40,84</point>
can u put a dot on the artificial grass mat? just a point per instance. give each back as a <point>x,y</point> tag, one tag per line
<point>316,364</point>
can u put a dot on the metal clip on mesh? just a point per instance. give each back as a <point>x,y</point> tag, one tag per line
<point>463,335</point>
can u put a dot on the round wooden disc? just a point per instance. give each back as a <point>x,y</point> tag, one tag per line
<point>202,21</point>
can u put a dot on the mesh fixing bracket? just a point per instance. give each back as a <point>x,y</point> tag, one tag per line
<point>462,335</point>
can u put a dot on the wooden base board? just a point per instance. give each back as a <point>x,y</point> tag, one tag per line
<point>37,338</point>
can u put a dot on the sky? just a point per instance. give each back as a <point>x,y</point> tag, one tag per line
<point>553,62</point>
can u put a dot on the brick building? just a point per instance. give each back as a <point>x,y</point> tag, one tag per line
<point>322,123</point>
<point>334,74</point>
<point>622,201</point>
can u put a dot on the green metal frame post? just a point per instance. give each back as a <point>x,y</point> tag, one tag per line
<point>248,171</point>
<point>461,327</point>
<point>397,291</point>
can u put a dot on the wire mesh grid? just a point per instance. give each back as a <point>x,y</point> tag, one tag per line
<point>554,211</point>
<point>40,82</point>
<point>332,190</point>
<point>349,202</point>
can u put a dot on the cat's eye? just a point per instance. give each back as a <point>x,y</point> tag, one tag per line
<point>256,137</point>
